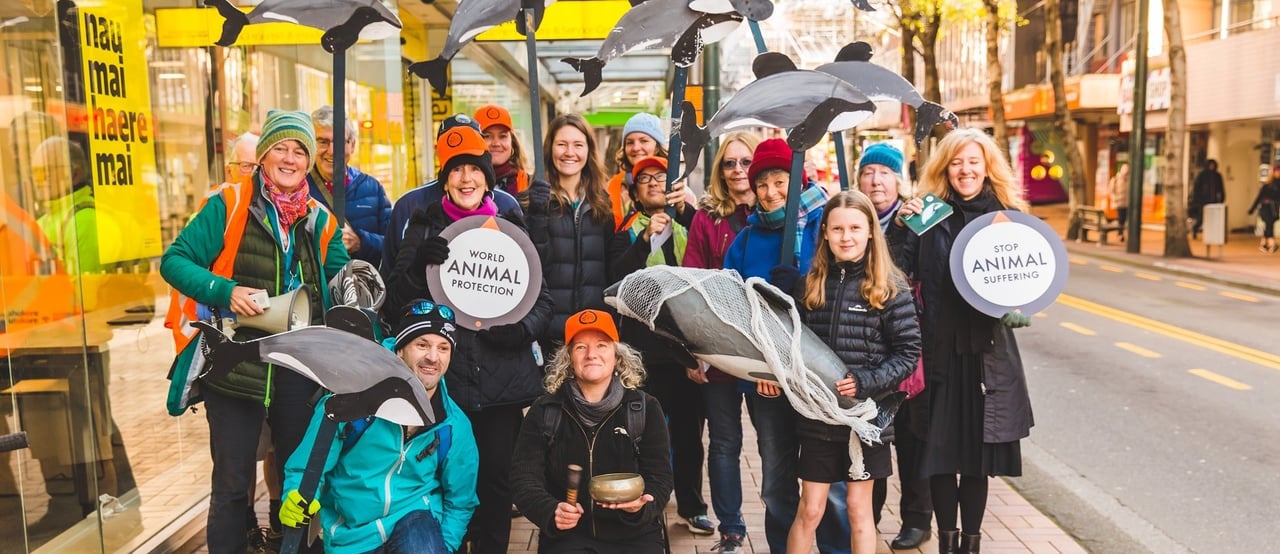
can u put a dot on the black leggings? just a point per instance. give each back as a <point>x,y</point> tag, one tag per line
<point>970,495</point>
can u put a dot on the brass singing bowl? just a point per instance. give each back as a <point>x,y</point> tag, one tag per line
<point>613,488</point>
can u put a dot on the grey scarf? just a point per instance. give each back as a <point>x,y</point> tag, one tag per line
<point>593,413</point>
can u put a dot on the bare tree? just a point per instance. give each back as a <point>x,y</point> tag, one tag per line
<point>1053,45</point>
<point>995,74</point>
<point>1175,198</point>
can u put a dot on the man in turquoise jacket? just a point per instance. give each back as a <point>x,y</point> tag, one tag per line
<point>393,489</point>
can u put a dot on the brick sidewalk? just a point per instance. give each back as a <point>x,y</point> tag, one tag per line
<point>1011,525</point>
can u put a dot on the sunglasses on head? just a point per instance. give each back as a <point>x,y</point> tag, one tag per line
<point>426,307</point>
<point>729,164</point>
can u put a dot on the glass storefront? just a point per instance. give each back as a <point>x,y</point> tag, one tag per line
<point>112,129</point>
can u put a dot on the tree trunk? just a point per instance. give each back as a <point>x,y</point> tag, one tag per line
<point>907,25</point>
<point>1175,198</point>
<point>1053,44</point>
<point>928,35</point>
<point>995,76</point>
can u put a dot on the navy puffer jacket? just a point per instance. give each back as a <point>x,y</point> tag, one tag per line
<point>368,211</point>
<point>879,347</point>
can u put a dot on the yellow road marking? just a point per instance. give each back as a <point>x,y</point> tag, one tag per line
<point>1265,359</point>
<point>1111,268</point>
<point>1238,296</point>
<point>1219,379</point>
<point>1041,315</point>
<point>1078,261</point>
<point>1148,276</point>
<point>1137,350</point>
<point>1191,286</point>
<point>1082,330</point>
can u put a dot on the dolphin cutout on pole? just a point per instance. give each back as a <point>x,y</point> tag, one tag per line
<point>853,64</point>
<point>343,21</point>
<point>810,103</point>
<point>470,19</point>
<point>337,360</point>
<point>657,24</point>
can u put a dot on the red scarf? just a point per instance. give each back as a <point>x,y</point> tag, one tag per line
<point>290,207</point>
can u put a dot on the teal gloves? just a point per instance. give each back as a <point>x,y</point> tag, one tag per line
<point>1016,320</point>
<point>291,510</point>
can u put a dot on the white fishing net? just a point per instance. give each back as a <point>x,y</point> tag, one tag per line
<point>741,306</point>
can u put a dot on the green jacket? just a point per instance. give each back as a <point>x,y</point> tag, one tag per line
<point>381,478</point>
<point>260,263</point>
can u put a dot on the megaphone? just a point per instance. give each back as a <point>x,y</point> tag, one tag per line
<point>289,311</point>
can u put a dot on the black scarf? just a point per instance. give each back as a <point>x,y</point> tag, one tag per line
<point>984,203</point>
<point>593,413</point>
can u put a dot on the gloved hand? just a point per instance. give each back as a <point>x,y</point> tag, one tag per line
<point>507,336</point>
<point>432,251</point>
<point>784,277</point>
<point>1015,320</point>
<point>291,510</point>
<point>539,194</point>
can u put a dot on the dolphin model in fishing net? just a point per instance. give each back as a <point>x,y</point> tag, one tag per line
<point>366,378</point>
<point>853,64</point>
<point>810,103</point>
<point>657,24</point>
<point>343,21</point>
<point>748,329</point>
<point>470,19</point>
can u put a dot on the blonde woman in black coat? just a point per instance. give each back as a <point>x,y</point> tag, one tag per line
<point>859,304</point>
<point>975,407</point>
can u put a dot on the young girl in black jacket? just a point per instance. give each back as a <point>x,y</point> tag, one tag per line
<point>859,304</point>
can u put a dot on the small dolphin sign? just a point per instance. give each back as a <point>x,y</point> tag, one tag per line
<point>853,64</point>
<point>343,21</point>
<point>470,19</point>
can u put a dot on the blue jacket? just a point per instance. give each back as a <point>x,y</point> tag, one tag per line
<point>422,197</point>
<point>757,248</point>
<point>365,491</point>
<point>368,211</point>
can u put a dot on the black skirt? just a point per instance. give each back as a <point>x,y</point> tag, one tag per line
<point>953,441</point>
<point>824,461</point>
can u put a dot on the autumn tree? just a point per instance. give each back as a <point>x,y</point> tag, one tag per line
<point>1175,212</point>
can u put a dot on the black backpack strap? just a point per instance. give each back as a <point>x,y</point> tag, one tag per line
<point>550,424</point>
<point>635,422</point>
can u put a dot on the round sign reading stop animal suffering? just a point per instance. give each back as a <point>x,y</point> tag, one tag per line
<point>493,275</point>
<point>1006,261</point>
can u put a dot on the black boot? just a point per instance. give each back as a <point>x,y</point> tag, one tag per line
<point>948,541</point>
<point>969,544</point>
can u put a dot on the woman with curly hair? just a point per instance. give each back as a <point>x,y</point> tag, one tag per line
<point>588,418</point>
<point>975,406</point>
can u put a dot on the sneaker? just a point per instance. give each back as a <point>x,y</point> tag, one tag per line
<point>1263,249</point>
<point>729,544</point>
<point>257,541</point>
<point>700,525</point>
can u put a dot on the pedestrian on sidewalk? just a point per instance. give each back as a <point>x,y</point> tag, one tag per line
<point>593,416</point>
<point>1267,204</point>
<point>975,406</point>
<point>757,252</point>
<point>1206,189</point>
<point>650,237</point>
<point>1118,187</point>
<point>880,178</point>
<point>374,498</point>
<point>860,305</point>
<point>721,215</point>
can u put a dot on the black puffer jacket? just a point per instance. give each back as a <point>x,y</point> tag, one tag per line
<point>574,246</point>
<point>539,480</point>
<point>878,346</point>
<point>482,373</point>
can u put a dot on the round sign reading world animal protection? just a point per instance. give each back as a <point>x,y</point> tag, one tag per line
<point>1006,261</point>
<point>493,275</point>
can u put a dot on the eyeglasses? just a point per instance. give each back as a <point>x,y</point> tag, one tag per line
<point>326,143</point>
<point>647,178</point>
<point>426,307</point>
<point>729,165</point>
<point>243,167</point>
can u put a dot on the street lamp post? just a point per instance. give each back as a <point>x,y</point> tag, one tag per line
<point>1138,135</point>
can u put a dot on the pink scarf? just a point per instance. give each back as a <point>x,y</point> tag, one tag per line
<point>290,207</point>
<point>486,207</point>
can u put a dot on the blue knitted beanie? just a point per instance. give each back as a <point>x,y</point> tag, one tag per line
<point>645,123</point>
<point>881,153</point>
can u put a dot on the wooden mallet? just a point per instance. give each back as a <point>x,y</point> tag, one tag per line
<point>575,479</point>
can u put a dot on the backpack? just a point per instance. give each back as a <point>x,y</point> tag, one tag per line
<point>634,424</point>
